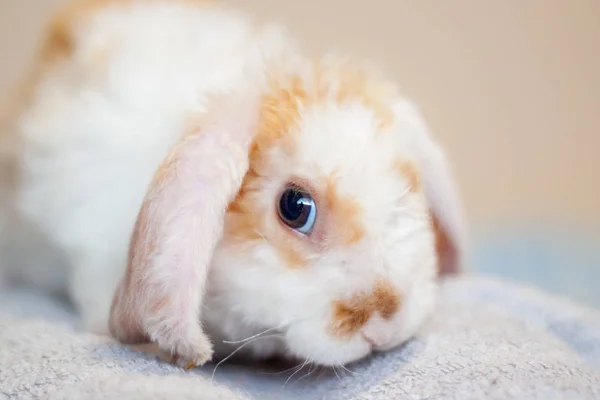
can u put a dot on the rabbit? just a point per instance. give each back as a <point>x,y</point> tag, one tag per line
<point>194,179</point>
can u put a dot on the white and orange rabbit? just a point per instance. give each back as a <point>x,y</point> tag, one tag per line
<point>190,178</point>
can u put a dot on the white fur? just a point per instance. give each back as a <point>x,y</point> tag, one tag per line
<point>104,119</point>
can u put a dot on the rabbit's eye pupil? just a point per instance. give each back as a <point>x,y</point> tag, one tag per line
<point>297,209</point>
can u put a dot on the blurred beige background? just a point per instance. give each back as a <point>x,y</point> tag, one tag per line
<point>511,87</point>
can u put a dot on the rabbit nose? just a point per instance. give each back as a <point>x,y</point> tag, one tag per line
<point>377,334</point>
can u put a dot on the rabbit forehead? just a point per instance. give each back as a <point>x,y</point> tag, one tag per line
<point>341,149</point>
<point>333,119</point>
<point>344,139</point>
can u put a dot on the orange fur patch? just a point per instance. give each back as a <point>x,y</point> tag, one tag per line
<point>293,254</point>
<point>385,299</point>
<point>346,215</point>
<point>345,81</point>
<point>409,172</point>
<point>350,316</point>
<point>60,42</point>
<point>445,249</point>
<point>279,114</point>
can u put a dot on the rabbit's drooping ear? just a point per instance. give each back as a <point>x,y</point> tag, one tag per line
<point>440,189</point>
<point>180,222</point>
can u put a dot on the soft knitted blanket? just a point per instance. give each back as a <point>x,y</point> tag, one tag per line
<point>489,339</point>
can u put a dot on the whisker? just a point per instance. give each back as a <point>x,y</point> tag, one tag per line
<point>352,372</point>
<point>322,371</point>
<point>284,371</point>
<point>261,235</point>
<point>336,374</point>
<point>342,373</point>
<point>298,370</point>
<point>252,337</point>
<point>236,350</point>
<point>312,369</point>
<point>407,191</point>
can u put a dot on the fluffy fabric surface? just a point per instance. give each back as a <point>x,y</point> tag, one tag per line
<point>489,339</point>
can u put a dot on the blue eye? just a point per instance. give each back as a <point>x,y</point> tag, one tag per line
<point>297,209</point>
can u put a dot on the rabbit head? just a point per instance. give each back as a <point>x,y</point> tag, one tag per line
<point>313,215</point>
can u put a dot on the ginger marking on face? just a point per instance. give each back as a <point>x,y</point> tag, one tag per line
<point>279,113</point>
<point>346,214</point>
<point>350,316</point>
<point>386,299</point>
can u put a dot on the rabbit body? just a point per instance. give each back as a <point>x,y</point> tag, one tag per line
<point>112,195</point>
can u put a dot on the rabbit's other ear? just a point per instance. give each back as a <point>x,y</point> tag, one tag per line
<point>178,227</point>
<point>440,189</point>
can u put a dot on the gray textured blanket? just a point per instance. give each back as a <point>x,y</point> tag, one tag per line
<point>490,339</point>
